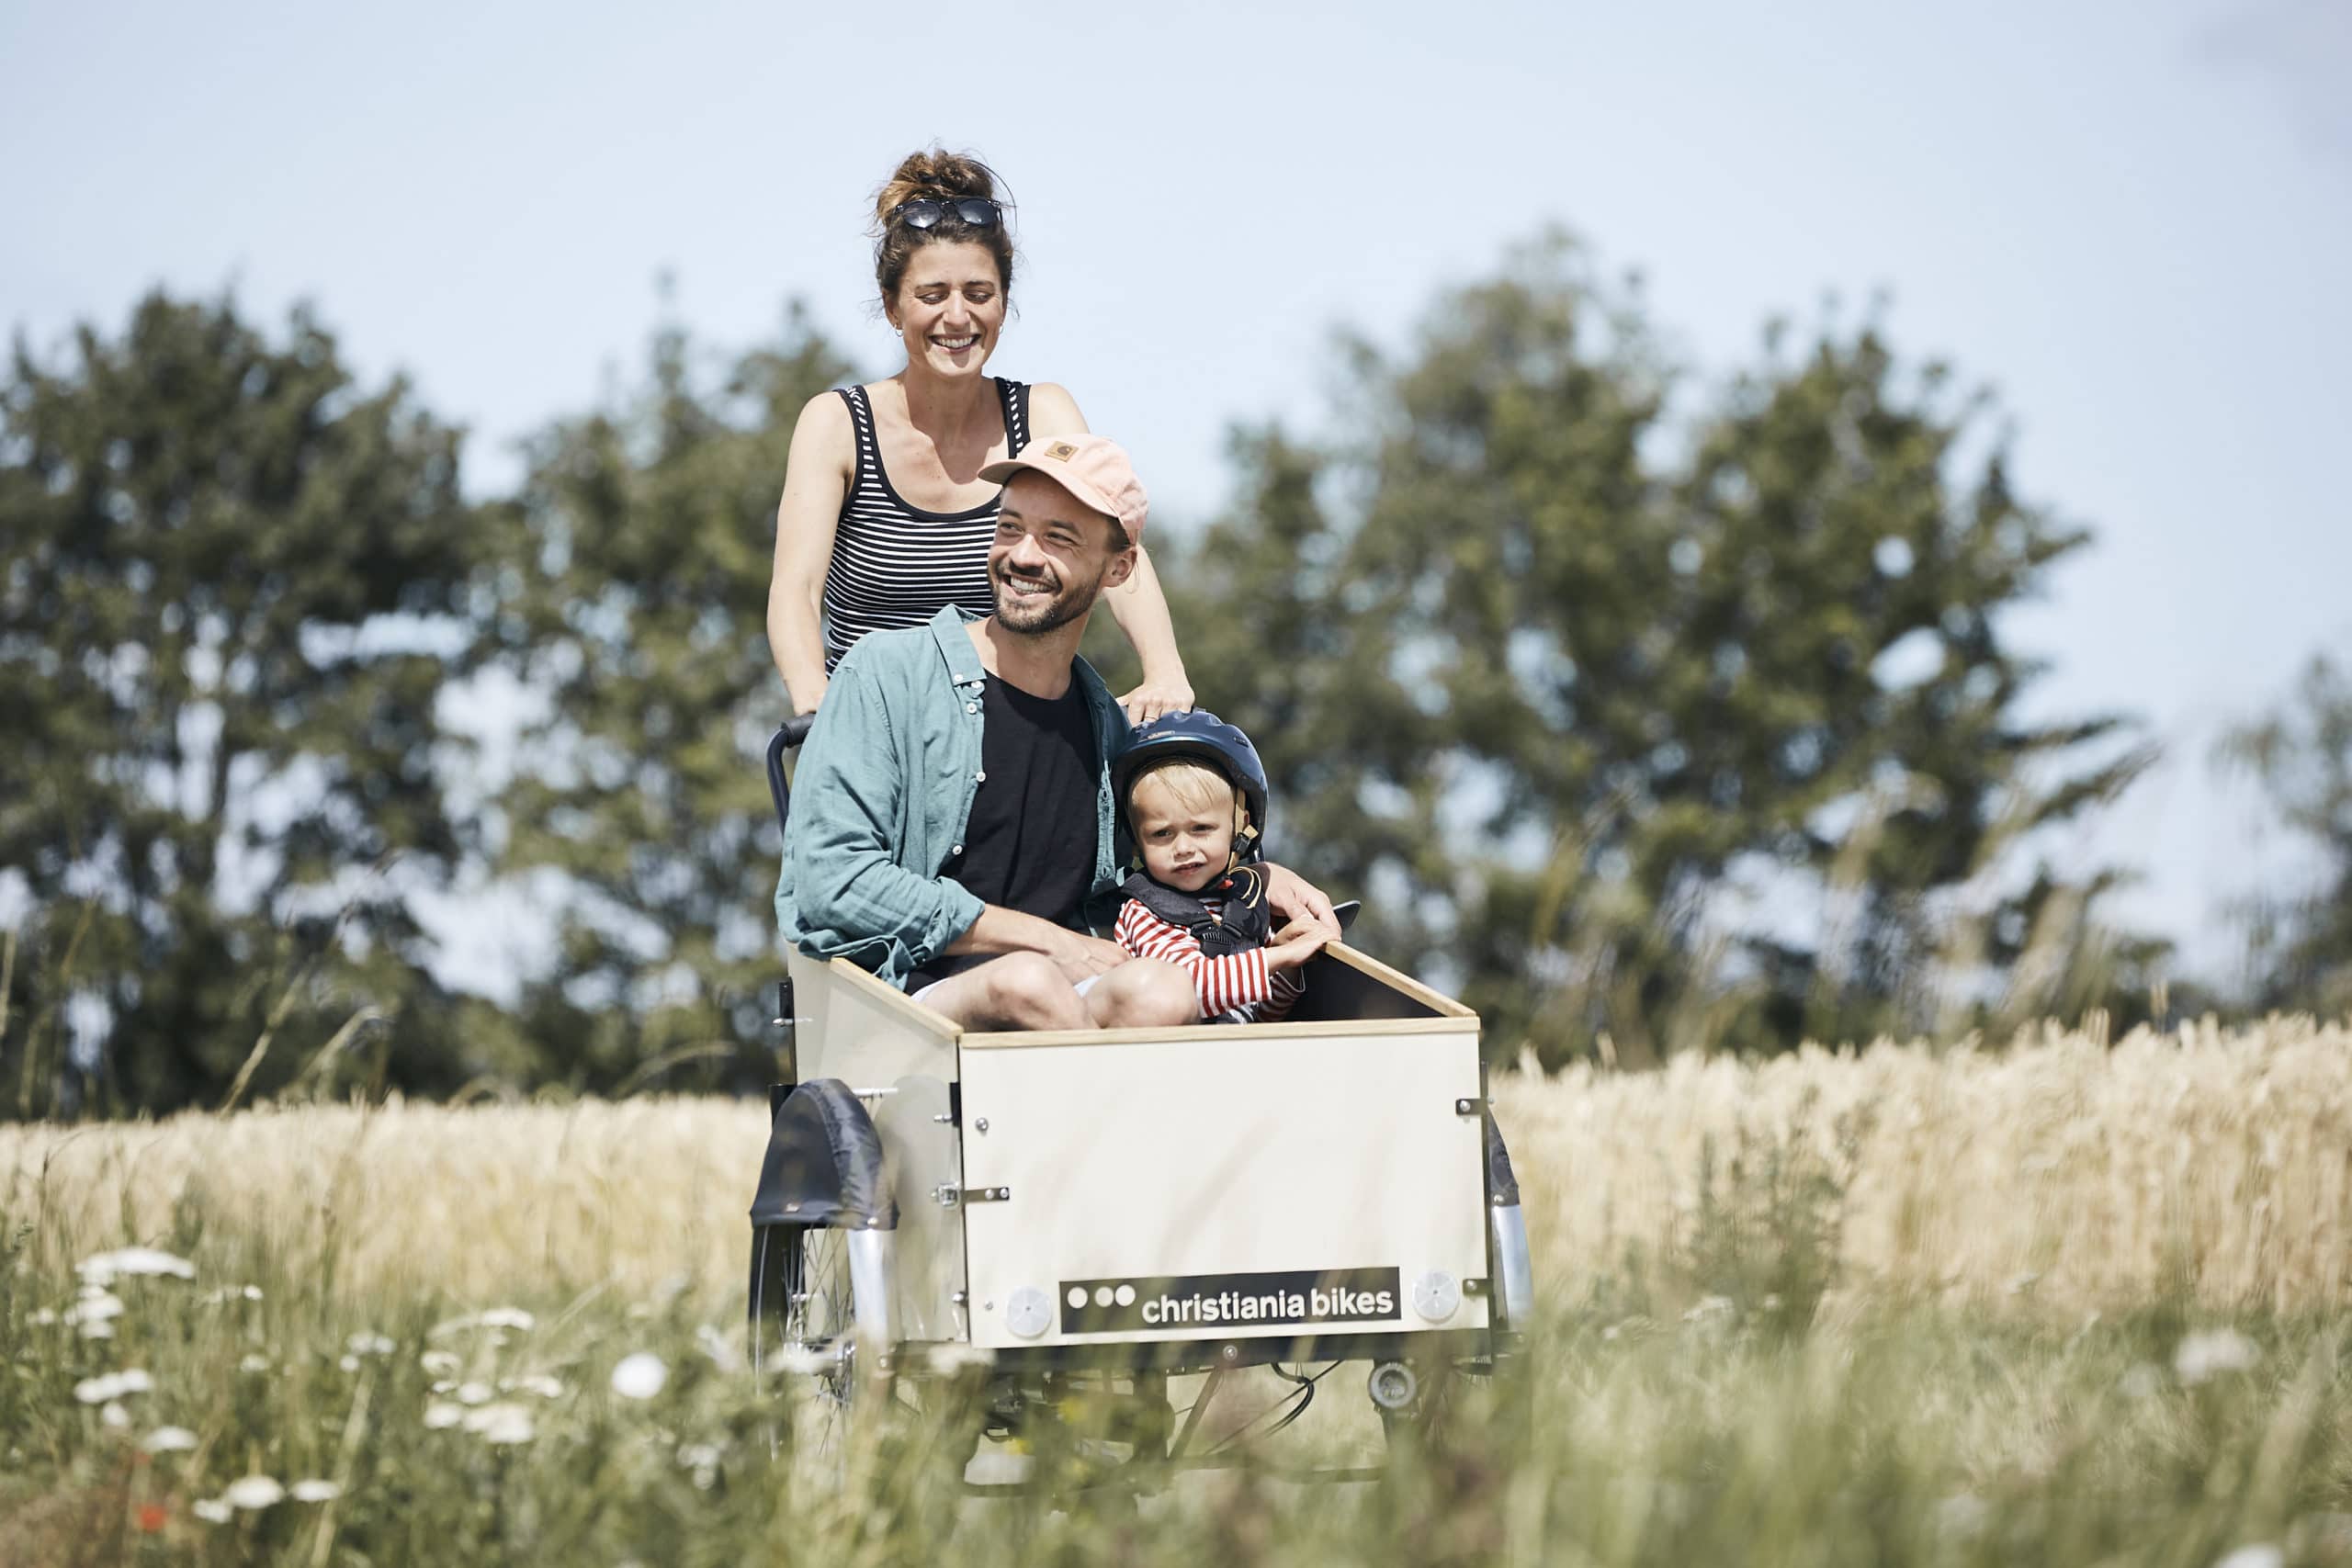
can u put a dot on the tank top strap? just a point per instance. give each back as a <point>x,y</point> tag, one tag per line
<point>869,449</point>
<point>1015,397</point>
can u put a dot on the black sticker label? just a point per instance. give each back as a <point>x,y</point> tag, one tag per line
<point>1224,1300</point>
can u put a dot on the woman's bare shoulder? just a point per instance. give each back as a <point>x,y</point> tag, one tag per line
<point>827,410</point>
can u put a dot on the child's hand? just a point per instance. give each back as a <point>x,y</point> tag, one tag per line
<point>1300,926</point>
<point>1294,950</point>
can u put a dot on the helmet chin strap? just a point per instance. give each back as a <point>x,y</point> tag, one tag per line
<point>1245,837</point>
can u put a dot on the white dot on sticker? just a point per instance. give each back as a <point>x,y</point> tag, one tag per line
<point>1077,1295</point>
<point>1126,1295</point>
<point>1101,1295</point>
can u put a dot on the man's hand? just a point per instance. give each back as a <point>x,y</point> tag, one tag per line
<point>1081,957</point>
<point>1298,900</point>
<point>1078,955</point>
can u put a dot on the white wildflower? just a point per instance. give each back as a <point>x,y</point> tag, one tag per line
<point>105,1268</point>
<point>349,1363</point>
<point>252,1493</point>
<point>2261,1555</point>
<point>101,1329</point>
<point>715,1345</point>
<point>473,1393</point>
<point>539,1383</point>
<point>640,1376</point>
<point>802,1360</point>
<point>445,1385</point>
<point>44,1318</point>
<point>2209,1353</point>
<point>211,1510</point>
<point>113,1386</point>
<point>169,1440</point>
<point>500,1423</point>
<point>440,1416</point>
<point>1708,1306</point>
<point>703,1459</point>
<point>316,1491</point>
<point>949,1357</point>
<point>370,1344</point>
<point>232,1293</point>
<point>440,1363</point>
<point>97,1304</point>
<point>254,1361</point>
<point>115,1417</point>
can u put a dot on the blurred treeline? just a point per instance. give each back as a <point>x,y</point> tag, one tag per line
<point>1648,714</point>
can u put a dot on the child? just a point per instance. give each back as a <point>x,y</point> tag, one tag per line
<point>1195,794</point>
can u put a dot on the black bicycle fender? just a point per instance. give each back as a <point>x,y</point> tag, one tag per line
<point>823,1166</point>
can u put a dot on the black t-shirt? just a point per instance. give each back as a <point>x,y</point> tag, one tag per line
<point>1030,843</point>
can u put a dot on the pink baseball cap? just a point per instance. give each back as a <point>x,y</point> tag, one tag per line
<point>1094,468</point>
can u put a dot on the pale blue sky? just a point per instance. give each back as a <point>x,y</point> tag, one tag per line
<point>2135,221</point>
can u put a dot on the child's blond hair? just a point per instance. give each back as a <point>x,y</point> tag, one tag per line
<point>1195,785</point>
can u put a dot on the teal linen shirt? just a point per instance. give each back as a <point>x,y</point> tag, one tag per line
<point>884,790</point>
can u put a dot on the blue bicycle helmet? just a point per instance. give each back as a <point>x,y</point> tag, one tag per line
<point>1202,737</point>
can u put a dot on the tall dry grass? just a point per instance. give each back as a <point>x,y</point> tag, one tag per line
<point>2207,1166</point>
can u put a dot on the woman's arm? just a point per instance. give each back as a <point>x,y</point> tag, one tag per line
<point>815,478</point>
<point>1137,605</point>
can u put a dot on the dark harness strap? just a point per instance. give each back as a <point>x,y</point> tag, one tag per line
<point>1244,924</point>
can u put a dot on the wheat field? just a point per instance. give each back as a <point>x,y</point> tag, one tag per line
<point>2063,1303</point>
<point>2206,1164</point>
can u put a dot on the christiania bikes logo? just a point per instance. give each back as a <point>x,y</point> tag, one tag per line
<point>1226,1301</point>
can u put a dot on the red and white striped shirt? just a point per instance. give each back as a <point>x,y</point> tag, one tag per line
<point>1237,983</point>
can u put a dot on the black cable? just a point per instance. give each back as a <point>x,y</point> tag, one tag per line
<point>1298,1403</point>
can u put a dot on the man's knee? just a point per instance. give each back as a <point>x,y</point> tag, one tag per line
<point>1030,991</point>
<point>1144,993</point>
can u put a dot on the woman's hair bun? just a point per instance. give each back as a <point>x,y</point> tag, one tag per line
<point>942,175</point>
<point>933,172</point>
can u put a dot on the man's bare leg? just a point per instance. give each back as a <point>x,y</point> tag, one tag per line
<point>1028,990</point>
<point>1143,993</point>
<point>1020,990</point>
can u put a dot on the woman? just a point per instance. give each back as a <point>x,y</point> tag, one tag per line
<point>885,517</point>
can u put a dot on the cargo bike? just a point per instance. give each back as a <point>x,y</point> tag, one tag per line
<point>1055,1224</point>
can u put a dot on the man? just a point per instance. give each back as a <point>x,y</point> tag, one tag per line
<point>952,820</point>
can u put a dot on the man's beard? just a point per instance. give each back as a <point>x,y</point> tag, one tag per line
<point>1039,613</point>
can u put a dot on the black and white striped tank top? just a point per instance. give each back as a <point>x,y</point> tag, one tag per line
<point>894,565</point>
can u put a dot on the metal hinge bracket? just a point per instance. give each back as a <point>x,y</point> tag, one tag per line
<point>949,1197</point>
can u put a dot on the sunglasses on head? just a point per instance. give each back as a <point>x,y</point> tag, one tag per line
<point>928,211</point>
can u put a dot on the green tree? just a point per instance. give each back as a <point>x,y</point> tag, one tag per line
<point>2300,942</point>
<point>235,587</point>
<point>650,528</point>
<point>1579,666</point>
